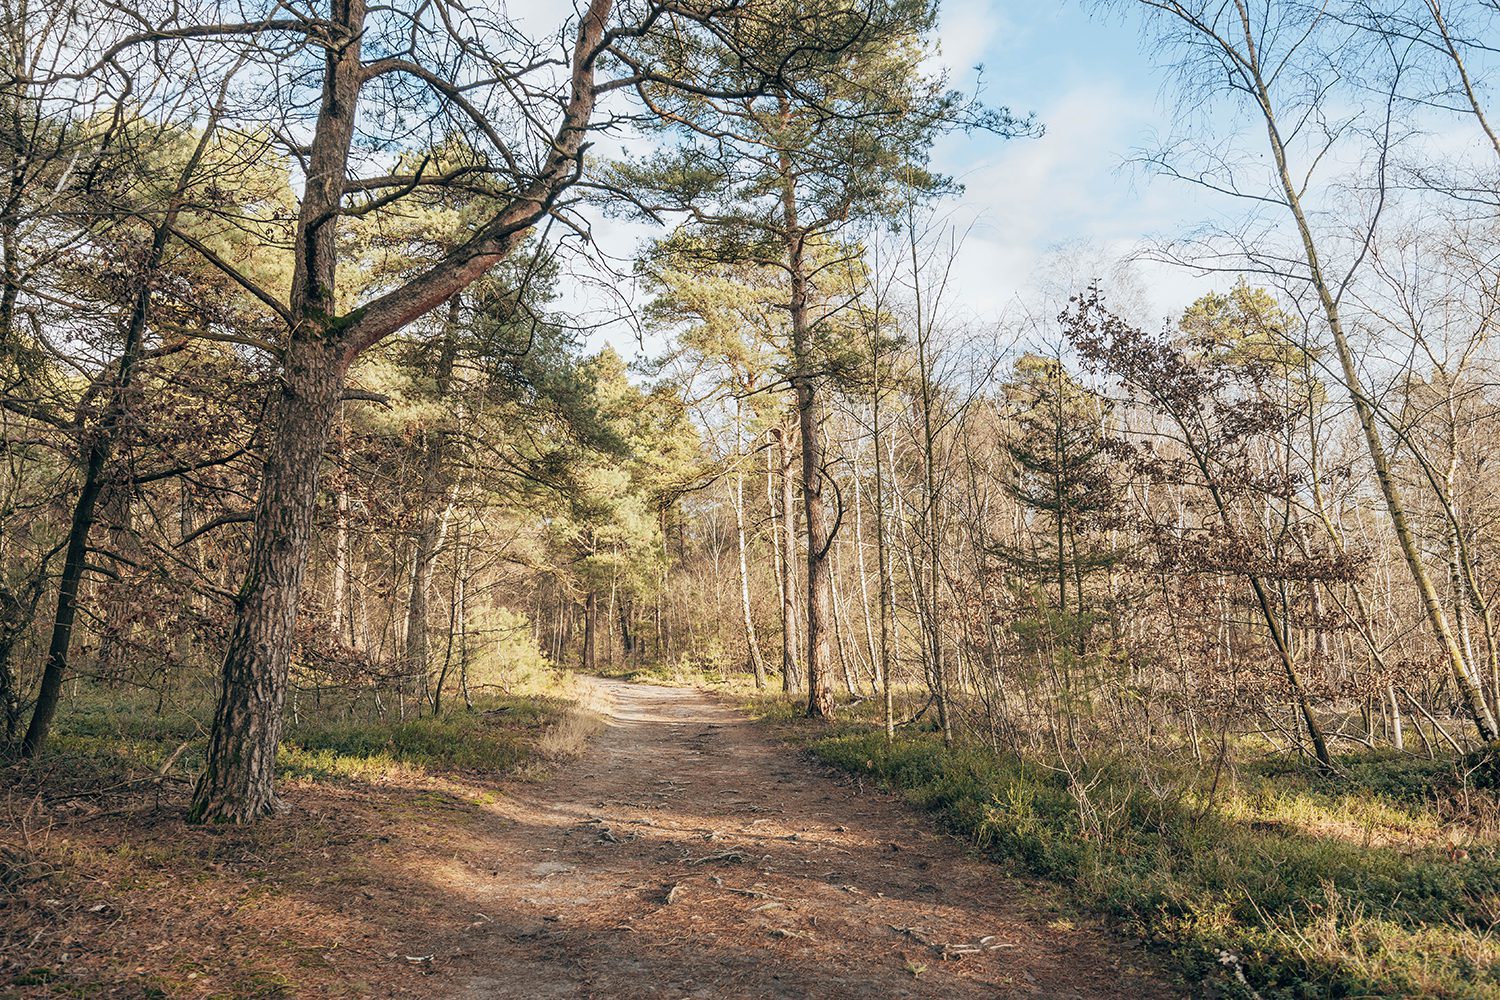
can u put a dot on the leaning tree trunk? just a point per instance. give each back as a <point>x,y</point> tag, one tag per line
<point>1275,625</point>
<point>99,449</point>
<point>1364,409</point>
<point>787,577</point>
<point>1288,665</point>
<point>74,563</point>
<point>97,454</point>
<point>752,645</point>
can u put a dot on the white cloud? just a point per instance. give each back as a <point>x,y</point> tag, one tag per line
<point>1046,215</point>
<point>969,30</point>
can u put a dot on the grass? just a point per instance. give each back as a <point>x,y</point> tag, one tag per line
<point>1278,882</point>
<point>501,735</point>
<point>1271,881</point>
<point>105,738</point>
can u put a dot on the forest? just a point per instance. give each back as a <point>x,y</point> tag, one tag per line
<point>411,586</point>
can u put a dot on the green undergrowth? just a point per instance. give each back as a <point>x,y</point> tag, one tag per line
<point>500,735</point>
<point>105,739</point>
<point>1270,881</point>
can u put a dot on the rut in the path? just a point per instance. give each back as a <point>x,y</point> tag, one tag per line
<point>685,855</point>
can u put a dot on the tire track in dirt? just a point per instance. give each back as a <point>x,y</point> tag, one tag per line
<point>688,855</point>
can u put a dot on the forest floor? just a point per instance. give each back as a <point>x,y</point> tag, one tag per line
<point>686,853</point>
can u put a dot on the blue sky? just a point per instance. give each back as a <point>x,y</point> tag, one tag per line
<point>1051,212</point>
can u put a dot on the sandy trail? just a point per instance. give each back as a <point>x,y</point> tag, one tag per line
<point>687,855</point>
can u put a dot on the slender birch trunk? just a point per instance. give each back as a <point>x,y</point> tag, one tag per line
<point>1364,409</point>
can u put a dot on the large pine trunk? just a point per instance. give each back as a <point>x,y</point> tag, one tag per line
<point>819,583</point>
<point>805,379</point>
<point>238,785</point>
<point>809,417</point>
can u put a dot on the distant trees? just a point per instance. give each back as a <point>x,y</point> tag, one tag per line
<point>728,323</point>
<point>287,392</point>
<point>771,183</point>
<point>1263,58</point>
<point>645,454</point>
<point>478,112</point>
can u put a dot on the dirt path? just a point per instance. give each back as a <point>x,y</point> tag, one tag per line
<point>686,855</point>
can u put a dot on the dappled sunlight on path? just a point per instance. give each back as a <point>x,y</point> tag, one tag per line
<point>685,855</point>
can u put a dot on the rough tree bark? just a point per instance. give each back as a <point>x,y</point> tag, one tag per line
<point>590,656</point>
<point>238,784</point>
<point>805,383</point>
<point>342,618</point>
<point>786,563</point>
